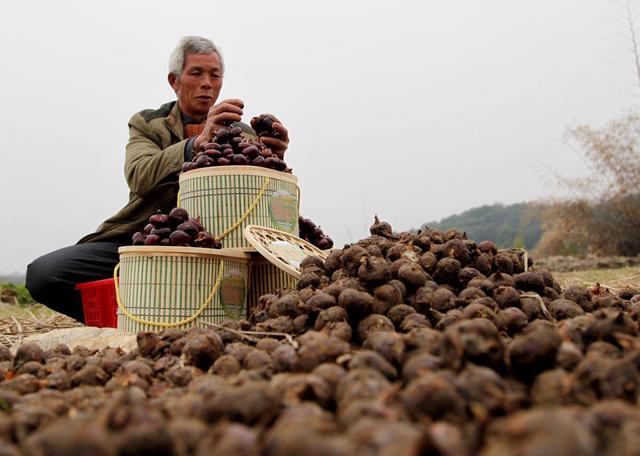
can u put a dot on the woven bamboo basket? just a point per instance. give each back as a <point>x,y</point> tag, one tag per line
<point>265,278</point>
<point>229,198</point>
<point>179,287</point>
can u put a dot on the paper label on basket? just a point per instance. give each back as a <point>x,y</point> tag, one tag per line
<point>283,210</point>
<point>233,294</point>
<point>289,253</point>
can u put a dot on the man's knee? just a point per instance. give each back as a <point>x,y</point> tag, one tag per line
<point>38,279</point>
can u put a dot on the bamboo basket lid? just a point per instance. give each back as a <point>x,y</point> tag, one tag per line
<point>281,249</point>
<point>237,169</point>
<point>194,252</point>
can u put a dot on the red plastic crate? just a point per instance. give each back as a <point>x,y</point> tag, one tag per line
<point>99,303</point>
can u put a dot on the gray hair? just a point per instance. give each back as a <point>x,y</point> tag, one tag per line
<point>191,45</point>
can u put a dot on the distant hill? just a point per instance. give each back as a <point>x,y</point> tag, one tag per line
<point>515,225</point>
<point>16,277</point>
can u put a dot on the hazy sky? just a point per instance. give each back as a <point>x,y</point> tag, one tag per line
<point>414,110</point>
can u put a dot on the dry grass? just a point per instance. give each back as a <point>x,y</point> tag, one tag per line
<point>19,321</point>
<point>25,310</point>
<point>614,279</point>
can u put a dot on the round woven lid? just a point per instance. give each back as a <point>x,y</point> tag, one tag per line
<point>281,249</point>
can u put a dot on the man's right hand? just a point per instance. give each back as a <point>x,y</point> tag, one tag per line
<point>220,115</point>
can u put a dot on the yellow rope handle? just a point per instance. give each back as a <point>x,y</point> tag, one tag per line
<point>162,324</point>
<point>247,212</point>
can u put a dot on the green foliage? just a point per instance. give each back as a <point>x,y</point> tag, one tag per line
<point>20,292</point>
<point>516,225</point>
<point>518,241</point>
<point>5,405</point>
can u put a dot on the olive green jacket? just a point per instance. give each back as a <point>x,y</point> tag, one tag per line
<point>154,158</point>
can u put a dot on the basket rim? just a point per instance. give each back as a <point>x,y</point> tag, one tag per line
<point>196,252</point>
<point>237,169</point>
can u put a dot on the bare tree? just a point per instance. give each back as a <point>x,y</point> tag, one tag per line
<point>632,36</point>
<point>603,214</point>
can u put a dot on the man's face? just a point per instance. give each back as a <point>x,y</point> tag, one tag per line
<point>199,84</point>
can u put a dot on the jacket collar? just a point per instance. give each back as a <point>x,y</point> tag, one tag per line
<point>174,121</point>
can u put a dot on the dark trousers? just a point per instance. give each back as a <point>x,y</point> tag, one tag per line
<point>52,278</point>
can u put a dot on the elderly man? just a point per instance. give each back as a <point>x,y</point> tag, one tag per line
<point>160,141</point>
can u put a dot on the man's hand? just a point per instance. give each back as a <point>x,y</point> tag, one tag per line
<point>277,145</point>
<point>220,116</point>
